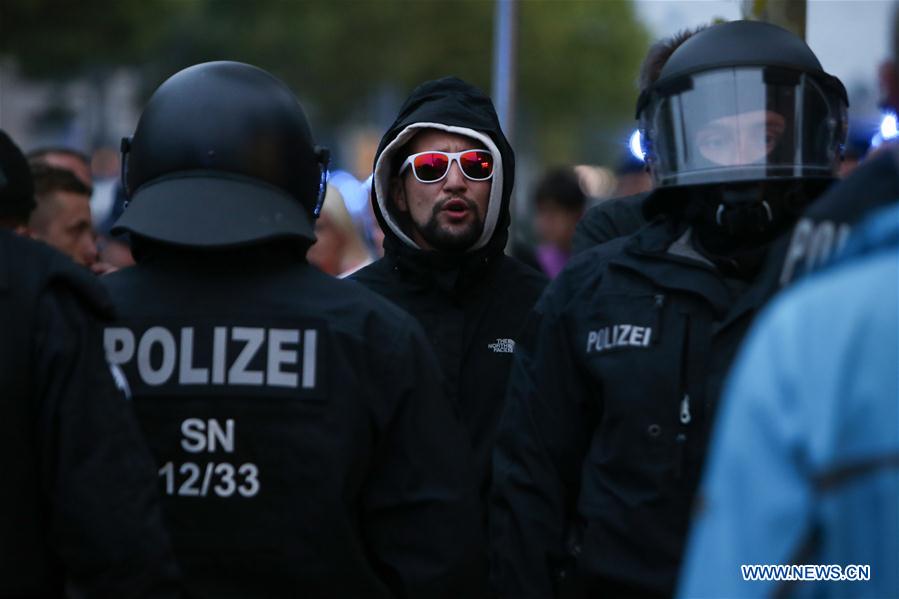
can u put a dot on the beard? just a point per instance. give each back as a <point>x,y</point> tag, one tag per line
<point>451,239</point>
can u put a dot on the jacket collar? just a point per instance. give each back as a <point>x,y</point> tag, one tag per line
<point>449,273</point>
<point>654,253</point>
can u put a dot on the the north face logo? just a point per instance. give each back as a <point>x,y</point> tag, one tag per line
<point>503,346</point>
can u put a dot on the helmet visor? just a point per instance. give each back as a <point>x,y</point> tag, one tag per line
<point>743,124</point>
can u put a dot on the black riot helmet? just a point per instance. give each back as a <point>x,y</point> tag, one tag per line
<point>744,101</point>
<point>222,157</point>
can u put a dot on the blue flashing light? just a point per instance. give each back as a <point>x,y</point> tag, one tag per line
<point>635,143</point>
<point>888,129</point>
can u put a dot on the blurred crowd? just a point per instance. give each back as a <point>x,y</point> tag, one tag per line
<point>79,196</point>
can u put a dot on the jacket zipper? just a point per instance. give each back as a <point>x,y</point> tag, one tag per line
<point>685,409</point>
<point>684,416</point>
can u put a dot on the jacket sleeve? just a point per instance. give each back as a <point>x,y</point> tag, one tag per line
<point>591,230</point>
<point>755,504</point>
<point>105,519</point>
<point>608,220</point>
<point>537,461</point>
<point>421,516</point>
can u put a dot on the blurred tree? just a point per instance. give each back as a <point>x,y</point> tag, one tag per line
<point>790,14</point>
<point>577,81</point>
<point>60,39</point>
<point>578,58</point>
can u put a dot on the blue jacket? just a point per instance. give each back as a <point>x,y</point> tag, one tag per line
<point>804,463</point>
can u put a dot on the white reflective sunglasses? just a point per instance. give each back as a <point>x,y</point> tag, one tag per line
<point>433,166</point>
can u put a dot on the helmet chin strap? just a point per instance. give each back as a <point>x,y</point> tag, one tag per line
<point>747,211</point>
<point>739,219</point>
<point>744,217</point>
<point>721,209</point>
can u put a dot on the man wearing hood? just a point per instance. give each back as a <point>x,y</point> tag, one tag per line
<point>442,184</point>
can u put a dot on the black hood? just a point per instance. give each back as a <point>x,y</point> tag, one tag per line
<point>458,107</point>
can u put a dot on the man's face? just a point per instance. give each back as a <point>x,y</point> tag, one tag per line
<point>65,223</point>
<point>745,138</point>
<point>447,215</point>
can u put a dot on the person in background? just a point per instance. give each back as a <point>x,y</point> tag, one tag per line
<point>559,202</point>
<point>858,145</point>
<point>68,159</point>
<point>62,216</point>
<point>107,173</point>
<point>338,249</point>
<point>631,177</point>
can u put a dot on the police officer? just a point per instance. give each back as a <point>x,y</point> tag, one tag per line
<point>303,444</point>
<point>605,430</point>
<point>79,511</point>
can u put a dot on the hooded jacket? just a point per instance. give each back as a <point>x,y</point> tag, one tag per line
<point>471,305</point>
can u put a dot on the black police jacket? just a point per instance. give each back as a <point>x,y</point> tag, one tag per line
<point>472,306</point>
<point>303,444</point>
<point>602,441</point>
<point>78,504</point>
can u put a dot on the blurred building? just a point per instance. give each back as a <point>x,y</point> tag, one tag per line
<point>81,114</point>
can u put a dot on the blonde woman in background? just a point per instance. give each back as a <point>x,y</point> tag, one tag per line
<point>339,249</point>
